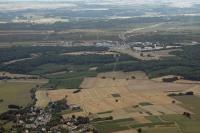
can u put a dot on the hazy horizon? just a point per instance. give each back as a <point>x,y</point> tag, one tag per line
<point>172,3</point>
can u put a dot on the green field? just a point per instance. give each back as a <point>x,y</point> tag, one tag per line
<point>114,125</point>
<point>182,124</point>
<point>153,119</point>
<point>69,80</point>
<point>161,130</point>
<point>190,102</point>
<point>129,123</point>
<point>106,112</point>
<point>186,125</point>
<point>15,93</point>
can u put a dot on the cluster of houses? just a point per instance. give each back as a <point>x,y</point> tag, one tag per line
<point>149,46</point>
<point>33,119</point>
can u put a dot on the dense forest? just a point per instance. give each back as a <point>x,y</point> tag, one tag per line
<point>53,55</point>
<point>7,54</point>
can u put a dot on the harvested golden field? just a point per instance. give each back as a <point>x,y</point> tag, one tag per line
<point>124,98</point>
<point>42,99</point>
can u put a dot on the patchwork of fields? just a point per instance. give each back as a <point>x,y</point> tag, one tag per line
<point>133,103</point>
<point>131,98</point>
<point>97,95</point>
<point>112,66</point>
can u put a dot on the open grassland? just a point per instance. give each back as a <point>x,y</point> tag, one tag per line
<point>154,119</point>
<point>15,93</point>
<point>65,83</point>
<point>190,102</point>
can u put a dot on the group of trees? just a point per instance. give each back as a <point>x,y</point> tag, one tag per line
<point>58,106</point>
<point>1,100</point>
<point>189,93</point>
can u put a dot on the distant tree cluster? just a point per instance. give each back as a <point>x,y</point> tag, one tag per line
<point>59,106</point>
<point>1,100</point>
<point>189,93</point>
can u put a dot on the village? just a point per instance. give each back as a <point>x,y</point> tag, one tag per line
<point>48,120</point>
<point>149,46</point>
